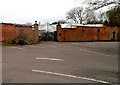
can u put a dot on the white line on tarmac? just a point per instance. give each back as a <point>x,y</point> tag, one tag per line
<point>51,59</point>
<point>71,76</point>
<point>18,48</point>
<point>94,52</point>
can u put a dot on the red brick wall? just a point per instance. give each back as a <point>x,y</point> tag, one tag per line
<point>27,33</point>
<point>10,31</point>
<point>87,33</point>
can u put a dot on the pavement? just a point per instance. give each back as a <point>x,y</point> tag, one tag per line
<point>61,62</point>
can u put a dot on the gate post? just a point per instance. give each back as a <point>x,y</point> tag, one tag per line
<point>36,26</point>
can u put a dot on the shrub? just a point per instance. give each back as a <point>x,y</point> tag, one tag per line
<point>22,42</point>
<point>12,42</point>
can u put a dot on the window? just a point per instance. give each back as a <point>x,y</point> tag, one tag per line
<point>60,34</point>
<point>83,30</point>
<point>98,30</point>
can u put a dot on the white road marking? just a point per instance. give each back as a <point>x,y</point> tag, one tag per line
<point>71,76</point>
<point>51,59</point>
<point>18,48</point>
<point>91,51</point>
<point>94,52</point>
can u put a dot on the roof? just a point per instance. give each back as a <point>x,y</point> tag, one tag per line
<point>7,23</point>
<point>68,26</point>
<point>92,25</point>
<point>18,25</point>
<point>80,25</point>
<point>22,25</point>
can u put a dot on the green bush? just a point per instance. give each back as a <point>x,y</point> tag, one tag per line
<point>12,42</point>
<point>22,42</point>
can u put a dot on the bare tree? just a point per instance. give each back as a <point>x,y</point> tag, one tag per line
<point>100,17</point>
<point>94,12</point>
<point>75,14</point>
<point>28,23</point>
<point>96,4</point>
<point>89,17</point>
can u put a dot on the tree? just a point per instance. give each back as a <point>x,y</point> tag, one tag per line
<point>113,17</point>
<point>96,12</point>
<point>89,17</point>
<point>28,23</point>
<point>96,4</point>
<point>60,22</point>
<point>102,15</point>
<point>75,14</point>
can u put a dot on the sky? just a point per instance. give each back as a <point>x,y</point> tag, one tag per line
<point>27,11</point>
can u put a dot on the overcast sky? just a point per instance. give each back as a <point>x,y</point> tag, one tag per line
<point>22,11</point>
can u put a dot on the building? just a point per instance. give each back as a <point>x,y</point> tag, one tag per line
<point>87,33</point>
<point>9,31</point>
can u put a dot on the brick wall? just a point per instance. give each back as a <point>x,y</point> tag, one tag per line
<point>88,33</point>
<point>12,31</point>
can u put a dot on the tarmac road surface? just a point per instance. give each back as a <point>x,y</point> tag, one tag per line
<point>61,62</point>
